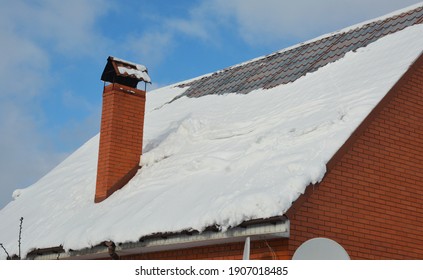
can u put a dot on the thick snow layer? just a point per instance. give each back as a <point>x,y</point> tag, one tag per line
<point>215,159</point>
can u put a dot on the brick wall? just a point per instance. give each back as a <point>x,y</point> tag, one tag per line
<point>121,136</point>
<point>260,250</point>
<point>371,200</point>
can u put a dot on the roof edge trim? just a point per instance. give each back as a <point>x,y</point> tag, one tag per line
<point>275,227</point>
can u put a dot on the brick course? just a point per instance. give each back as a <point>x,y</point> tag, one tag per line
<point>121,136</point>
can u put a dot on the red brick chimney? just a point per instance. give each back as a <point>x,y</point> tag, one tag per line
<point>122,124</point>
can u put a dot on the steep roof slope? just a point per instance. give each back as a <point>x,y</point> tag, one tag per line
<point>224,158</point>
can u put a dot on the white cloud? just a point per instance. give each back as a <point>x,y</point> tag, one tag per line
<point>151,47</point>
<point>32,33</point>
<point>202,22</point>
<point>189,27</point>
<point>258,23</point>
<point>23,66</point>
<point>67,25</point>
<point>25,152</point>
<point>269,21</point>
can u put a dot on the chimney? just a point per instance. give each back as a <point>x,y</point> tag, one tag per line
<point>122,125</point>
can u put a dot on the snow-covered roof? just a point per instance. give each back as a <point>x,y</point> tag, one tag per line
<point>220,159</point>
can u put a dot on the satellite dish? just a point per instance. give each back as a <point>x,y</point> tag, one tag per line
<point>320,249</point>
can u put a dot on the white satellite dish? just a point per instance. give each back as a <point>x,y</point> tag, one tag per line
<point>320,249</point>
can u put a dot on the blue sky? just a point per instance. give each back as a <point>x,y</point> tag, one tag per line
<point>53,53</point>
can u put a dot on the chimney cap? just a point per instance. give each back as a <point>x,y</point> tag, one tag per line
<point>124,72</point>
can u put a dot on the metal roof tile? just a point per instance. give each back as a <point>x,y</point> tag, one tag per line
<point>289,65</point>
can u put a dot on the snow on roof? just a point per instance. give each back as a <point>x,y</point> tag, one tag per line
<point>214,160</point>
<point>140,72</point>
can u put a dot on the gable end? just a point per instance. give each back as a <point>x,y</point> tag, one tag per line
<point>370,200</point>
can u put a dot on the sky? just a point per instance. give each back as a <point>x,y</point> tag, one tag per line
<point>52,54</point>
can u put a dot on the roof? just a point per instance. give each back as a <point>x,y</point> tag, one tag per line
<point>225,158</point>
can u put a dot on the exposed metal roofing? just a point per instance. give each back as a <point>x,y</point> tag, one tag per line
<point>288,65</point>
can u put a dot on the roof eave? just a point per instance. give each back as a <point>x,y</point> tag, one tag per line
<point>259,229</point>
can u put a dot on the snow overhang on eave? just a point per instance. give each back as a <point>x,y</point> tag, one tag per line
<point>260,229</point>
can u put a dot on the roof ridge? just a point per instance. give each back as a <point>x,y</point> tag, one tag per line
<point>330,34</point>
<point>287,65</point>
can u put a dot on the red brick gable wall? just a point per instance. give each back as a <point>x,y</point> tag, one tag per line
<point>371,199</point>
